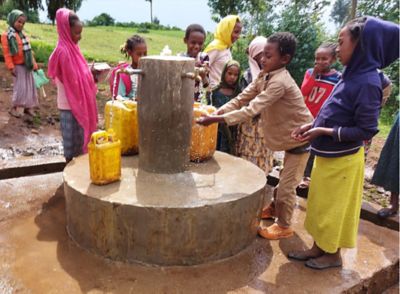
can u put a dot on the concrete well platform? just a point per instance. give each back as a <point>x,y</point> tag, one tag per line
<point>209,212</point>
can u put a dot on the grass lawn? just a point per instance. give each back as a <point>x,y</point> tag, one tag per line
<point>103,43</point>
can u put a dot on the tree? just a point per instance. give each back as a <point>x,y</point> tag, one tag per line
<point>54,5</point>
<point>102,19</point>
<point>340,11</point>
<point>302,19</point>
<point>30,8</point>
<point>151,9</point>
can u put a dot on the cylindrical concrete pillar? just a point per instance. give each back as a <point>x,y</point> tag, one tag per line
<point>165,113</point>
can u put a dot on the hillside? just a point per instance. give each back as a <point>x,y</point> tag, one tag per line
<point>103,43</point>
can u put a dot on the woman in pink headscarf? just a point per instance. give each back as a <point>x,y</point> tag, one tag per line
<point>250,140</point>
<point>76,98</point>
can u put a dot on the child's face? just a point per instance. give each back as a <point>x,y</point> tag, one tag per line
<point>236,32</point>
<point>76,32</point>
<point>232,75</point>
<point>345,46</point>
<point>139,51</point>
<point>324,59</point>
<point>194,43</point>
<point>272,58</point>
<point>19,23</point>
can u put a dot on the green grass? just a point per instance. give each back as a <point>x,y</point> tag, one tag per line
<point>384,129</point>
<point>103,43</point>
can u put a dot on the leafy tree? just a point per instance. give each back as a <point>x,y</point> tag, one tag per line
<point>103,19</point>
<point>302,19</point>
<point>222,8</point>
<point>30,8</point>
<point>54,5</point>
<point>340,11</point>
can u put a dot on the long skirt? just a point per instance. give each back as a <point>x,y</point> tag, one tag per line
<point>251,145</point>
<point>334,201</point>
<point>24,92</point>
<point>386,173</point>
<point>72,134</point>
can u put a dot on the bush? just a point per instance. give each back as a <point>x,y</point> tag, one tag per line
<point>142,31</point>
<point>41,50</point>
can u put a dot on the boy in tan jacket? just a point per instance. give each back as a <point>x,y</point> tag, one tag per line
<point>274,95</point>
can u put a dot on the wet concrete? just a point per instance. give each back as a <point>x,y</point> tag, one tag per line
<point>36,256</point>
<point>24,195</point>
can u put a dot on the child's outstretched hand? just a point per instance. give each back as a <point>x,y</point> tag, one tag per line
<point>306,133</point>
<point>298,133</point>
<point>209,119</point>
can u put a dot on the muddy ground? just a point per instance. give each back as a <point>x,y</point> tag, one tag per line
<point>38,136</point>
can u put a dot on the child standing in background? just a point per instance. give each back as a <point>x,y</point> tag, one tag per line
<point>76,88</point>
<point>20,62</point>
<point>195,36</point>
<point>275,95</point>
<point>348,117</point>
<point>227,32</point>
<point>250,139</point>
<point>227,89</point>
<point>317,85</point>
<point>127,85</point>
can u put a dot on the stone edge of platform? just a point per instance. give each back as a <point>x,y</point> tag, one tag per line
<point>34,166</point>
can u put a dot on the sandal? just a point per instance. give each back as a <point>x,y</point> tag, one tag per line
<point>386,212</point>
<point>15,113</point>
<point>319,264</point>
<point>303,255</point>
<point>305,183</point>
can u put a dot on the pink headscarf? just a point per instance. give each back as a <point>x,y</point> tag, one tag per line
<point>256,47</point>
<point>68,65</point>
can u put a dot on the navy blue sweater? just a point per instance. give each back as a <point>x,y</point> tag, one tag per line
<point>352,109</point>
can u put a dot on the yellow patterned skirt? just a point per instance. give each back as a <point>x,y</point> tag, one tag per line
<point>334,201</point>
<point>251,145</point>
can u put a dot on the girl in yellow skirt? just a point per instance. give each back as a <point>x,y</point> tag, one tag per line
<point>349,116</point>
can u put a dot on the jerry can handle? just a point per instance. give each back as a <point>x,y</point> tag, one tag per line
<point>99,134</point>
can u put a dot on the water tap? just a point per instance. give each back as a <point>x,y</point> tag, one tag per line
<point>196,74</point>
<point>129,71</point>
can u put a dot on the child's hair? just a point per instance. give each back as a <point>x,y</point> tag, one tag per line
<point>330,46</point>
<point>356,27</point>
<point>286,41</point>
<point>194,28</point>
<point>131,43</point>
<point>73,19</point>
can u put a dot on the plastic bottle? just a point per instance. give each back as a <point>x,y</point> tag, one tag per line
<point>166,51</point>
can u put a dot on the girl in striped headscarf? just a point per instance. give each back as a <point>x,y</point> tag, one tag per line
<point>20,62</point>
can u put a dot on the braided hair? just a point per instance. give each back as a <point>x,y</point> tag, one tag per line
<point>131,43</point>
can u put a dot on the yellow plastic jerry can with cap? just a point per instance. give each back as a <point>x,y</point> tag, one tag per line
<point>104,157</point>
<point>204,138</point>
<point>122,117</point>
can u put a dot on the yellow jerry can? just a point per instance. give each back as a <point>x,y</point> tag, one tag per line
<point>104,157</point>
<point>204,138</point>
<point>121,116</point>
